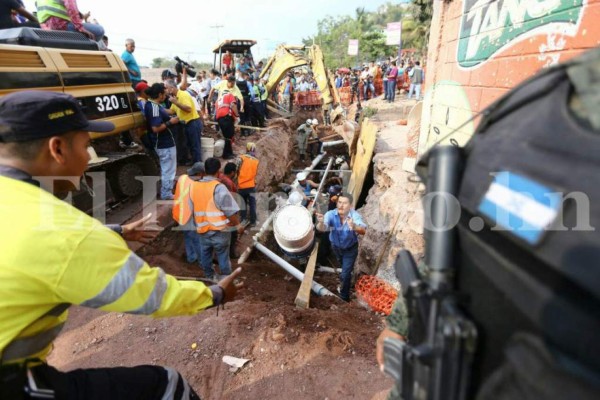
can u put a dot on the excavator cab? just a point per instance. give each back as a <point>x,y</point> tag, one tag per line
<point>235,47</point>
<point>68,62</point>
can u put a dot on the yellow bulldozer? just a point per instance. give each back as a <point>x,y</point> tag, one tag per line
<point>35,59</point>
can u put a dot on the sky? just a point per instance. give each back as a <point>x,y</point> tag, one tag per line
<point>187,30</point>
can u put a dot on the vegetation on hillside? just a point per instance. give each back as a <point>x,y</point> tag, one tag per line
<point>369,28</point>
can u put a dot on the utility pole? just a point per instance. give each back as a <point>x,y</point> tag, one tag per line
<point>217,28</point>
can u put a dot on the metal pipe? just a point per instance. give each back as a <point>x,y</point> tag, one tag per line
<point>312,166</point>
<point>334,143</point>
<point>317,288</point>
<point>312,206</point>
<point>265,225</point>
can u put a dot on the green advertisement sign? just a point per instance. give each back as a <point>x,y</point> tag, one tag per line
<point>489,25</point>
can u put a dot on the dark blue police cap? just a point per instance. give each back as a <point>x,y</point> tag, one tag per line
<point>33,114</point>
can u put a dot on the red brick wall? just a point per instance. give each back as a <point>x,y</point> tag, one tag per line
<point>479,49</point>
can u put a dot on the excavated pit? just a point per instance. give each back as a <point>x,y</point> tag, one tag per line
<point>326,351</point>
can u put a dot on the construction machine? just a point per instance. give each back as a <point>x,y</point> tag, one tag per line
<point>240,47</point>
<point>68,62</point>
<point>288,57</point>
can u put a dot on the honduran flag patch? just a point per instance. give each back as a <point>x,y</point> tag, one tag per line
<point>520,206</point>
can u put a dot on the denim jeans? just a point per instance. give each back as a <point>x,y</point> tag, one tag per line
<point>191,239</point>
<point>219,242</point>
<point>391,90</point>
<point>346,258</point>
<point>250,200</point>
<point>168,163</point>
<point>369,87</point>
<point>415,88</point>
<point>193,129</point>
<point>94,29</point>
<point>385,90</point>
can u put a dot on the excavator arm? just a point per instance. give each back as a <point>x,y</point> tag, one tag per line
<point>288,57</point>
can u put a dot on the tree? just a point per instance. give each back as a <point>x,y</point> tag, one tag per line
<point>158,62</point>
<point>333,33</point>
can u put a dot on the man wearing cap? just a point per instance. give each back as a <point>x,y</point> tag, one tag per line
<point>54,255</point>
<point>142,99</point>
<point>182,211</point>
<point>135,75</point>
<point>214,210</point>
<point>303,132</point>
<point>306,185</point>
<point>344,225</point>
<point>247,181</point>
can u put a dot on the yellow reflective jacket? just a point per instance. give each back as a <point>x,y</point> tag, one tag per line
<point>53,255</point>
<point>51,8</point>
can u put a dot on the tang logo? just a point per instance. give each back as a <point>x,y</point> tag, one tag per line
<point>489,25</point>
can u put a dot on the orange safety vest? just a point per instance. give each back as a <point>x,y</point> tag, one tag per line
<point>248,170</point>
<point>206,214</point>
<point>182,207</point>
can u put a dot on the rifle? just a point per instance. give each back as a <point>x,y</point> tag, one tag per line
<point>435,362</point>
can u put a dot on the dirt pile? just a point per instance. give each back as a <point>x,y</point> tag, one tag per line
<point>327,351</point>
<point>274,149</point>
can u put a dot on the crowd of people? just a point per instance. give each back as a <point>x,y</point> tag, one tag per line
<point>392,74</point>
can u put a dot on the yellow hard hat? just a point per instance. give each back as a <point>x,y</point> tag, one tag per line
<point>250,146</point>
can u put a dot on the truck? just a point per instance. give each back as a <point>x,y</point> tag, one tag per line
<point>68,62</point>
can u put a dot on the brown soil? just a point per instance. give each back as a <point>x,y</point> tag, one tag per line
<point>324,352</point>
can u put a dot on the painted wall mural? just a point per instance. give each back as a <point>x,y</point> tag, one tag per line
<point>480,49</point>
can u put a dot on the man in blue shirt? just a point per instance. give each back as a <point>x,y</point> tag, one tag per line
<point>344,225</point>
<point>159,122</point>
<point>133,68</point>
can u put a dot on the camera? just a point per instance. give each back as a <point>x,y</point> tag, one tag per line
<point>181,65</point>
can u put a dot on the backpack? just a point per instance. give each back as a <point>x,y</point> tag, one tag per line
<point>529,237</point>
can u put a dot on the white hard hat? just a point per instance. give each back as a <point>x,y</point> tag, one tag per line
<point>309,121</point>
<point>301,176</point>
<point>315,122</point>
<point>295,198</point>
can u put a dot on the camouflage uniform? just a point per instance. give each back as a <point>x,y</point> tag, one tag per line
<point>397,321</point>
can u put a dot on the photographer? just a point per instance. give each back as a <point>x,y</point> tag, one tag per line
<point>183,69</point>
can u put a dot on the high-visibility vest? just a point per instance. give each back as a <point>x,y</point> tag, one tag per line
<point>248,170</point>
<point>225,106</point>
<point>182,207</point>
<point>51,8</point>
<point>50,261</point>
<point>207,216</point>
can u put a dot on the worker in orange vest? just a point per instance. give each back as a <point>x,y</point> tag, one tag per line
<point>247,181</point>
<point>182,211</point>
<point>214,210</point>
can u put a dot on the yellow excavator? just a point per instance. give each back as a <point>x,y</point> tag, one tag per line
<point>36,59</point>
<point>288,57</point>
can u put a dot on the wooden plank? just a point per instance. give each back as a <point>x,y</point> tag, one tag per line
<point>303,297</point>
<point>362,158</point>
<point>240,126</point>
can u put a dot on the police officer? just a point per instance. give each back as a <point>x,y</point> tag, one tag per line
<point>54,255</point>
